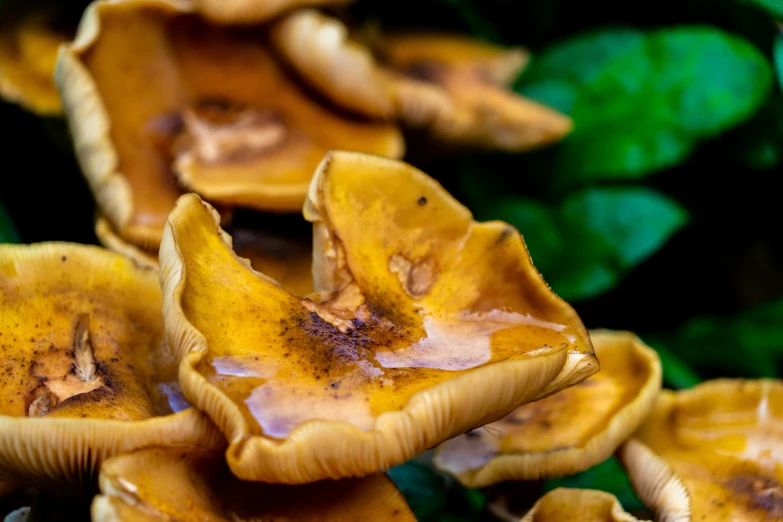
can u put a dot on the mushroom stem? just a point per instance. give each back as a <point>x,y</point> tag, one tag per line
<point>83,357</point>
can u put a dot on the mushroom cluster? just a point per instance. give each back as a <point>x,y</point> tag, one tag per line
<point>239,101</point>
<point>204,365</point>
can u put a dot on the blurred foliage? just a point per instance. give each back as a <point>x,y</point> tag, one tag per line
<point>775,7</point>
<point>436,497</point>
<point>609,229</point>
<point>658,92</point>
<point>606,476</point>
<point>8,232</point>
<point>778,57</point>
<point>658,214</point>
<point>748,344</point>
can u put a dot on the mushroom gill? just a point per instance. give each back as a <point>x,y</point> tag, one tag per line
<point>169,118</point>
<point>432,325</point>
<point>713,452</point>
<point>193,484</point>
<point>82,365</point>
<point>569,431</point>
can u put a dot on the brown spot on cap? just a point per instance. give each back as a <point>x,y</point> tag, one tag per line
<point>760,493</point>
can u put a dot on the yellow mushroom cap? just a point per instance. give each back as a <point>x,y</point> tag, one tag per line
<point>82,365</point>
<point>713,452</point>
<point>286,260</point>
<point>456,89</point>
<point>145,91</point>
<point>29,39</point>
<point>578,505</point>
<point>192,484</point>
<point>569,431</point>
<point>254,11</point>
<point>430,315</point>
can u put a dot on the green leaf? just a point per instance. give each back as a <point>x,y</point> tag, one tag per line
<point>435,497</point>
<point>633,221</point>
<point>422,487</point>
<point>585,244</point>
<point>641,101</point>
<point>676,374</point>
<point>777,55</point>
<point>607,476</point>
<point>8,232</point>
<point>759,143</point>
<point>774,7</point>
<point>749,344</point>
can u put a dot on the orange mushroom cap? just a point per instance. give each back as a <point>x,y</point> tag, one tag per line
<point>29,39</point>
<point>320,49</point>
<point>457,90</point>
<point>578,505</point>
<point>453,86</point>
<point>713,452</point>
<point>497,65</point>
<point>569,431</point>
<point>192,484</point>
<point>169,117</point>
<point>84,374</point>
<point>430,315</point>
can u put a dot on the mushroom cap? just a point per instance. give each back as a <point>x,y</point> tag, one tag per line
<point>431,315</point>
<point>193,484</point>
<point>254,11</point>
<point>286,260</point>
<point>28,51</point>
<point>169,116</point>
<point>80,338</point>
<point>319,48</point>
<point>569,431</point>
<point>713,452</point>
<point>575,505</point>
<point>496,64</point>
<point>456,89</point>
